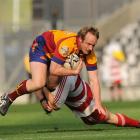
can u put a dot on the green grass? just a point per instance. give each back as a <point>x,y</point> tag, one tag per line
<point>29,122</point>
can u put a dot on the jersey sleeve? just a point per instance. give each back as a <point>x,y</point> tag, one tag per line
<point>91,62</point>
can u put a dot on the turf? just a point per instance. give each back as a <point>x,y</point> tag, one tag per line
<point>29,122</point>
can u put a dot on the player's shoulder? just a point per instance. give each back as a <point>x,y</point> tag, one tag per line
<point>92,54</point>
<point>91,58</point>
<point>59,33</point>
<point>67,43</point>
<point>62,33</point>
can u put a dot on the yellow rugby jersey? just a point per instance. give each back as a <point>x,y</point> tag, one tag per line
<point>59,44</point>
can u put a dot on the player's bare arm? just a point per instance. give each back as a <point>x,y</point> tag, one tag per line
<point>95,87</point>
<point>59,70</point>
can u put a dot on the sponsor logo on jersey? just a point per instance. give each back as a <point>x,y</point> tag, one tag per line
<point>64,51</point>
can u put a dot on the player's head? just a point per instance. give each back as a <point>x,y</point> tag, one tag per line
<point>88,37</point>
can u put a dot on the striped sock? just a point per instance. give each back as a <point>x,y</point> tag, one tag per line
<point>124,120</point>
<point>20,90</point>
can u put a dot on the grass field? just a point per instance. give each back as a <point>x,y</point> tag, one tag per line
<point>29,122</point>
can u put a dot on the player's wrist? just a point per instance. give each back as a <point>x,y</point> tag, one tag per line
<point>74,72</point>
<point>45,105</point>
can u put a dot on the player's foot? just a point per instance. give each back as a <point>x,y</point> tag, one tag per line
<point>4,104</point>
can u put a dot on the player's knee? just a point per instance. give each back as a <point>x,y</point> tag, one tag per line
<point>95,118</point>
<point>39,84</point>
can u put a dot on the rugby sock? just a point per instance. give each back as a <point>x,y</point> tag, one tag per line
<point>123,120</point>
<point>20,90</point>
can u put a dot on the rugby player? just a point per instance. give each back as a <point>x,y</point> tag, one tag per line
<point>77,95</point>
<point>56,46</point>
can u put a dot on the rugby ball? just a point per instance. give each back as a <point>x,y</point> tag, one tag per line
<point>72,61</point>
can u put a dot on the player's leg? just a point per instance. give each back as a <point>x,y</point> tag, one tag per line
<point>122,120</point>
<point>38,67</point>
<point>116,119</point>
<point>94,118</point>
<point>38,80</point>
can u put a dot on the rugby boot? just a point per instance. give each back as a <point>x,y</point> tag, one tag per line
<point>4,104</point>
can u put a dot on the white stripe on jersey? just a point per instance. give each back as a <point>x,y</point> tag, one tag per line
<point>78,91</point>
<point>60,89</point>
<point>78,102</point>
<point>87,111</point>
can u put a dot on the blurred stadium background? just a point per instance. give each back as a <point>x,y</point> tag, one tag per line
<point>22,20</point>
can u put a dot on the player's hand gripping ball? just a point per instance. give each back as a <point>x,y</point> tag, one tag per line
<point>72,61</point>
